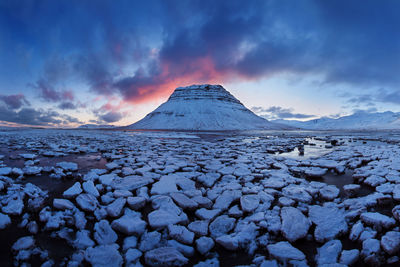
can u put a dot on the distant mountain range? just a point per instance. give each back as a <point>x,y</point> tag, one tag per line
<point>358,121</point>
<point>96,126</point>
<point>203,107</point>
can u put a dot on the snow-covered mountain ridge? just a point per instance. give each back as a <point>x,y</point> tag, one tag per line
<point>203,107</point>
<point>357,121</point>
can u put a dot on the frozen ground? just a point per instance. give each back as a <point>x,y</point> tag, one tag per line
<point>113,198</point>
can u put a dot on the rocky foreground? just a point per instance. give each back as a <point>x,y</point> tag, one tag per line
<point>70,198</point>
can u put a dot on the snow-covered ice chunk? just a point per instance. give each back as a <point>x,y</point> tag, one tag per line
<point>129,182</point>
<point>377,220</point>
<point>4,220</point>
<point>83,240</point>
<point>370,248</point>
<point>284,251</point>
<point>5,171</point>
<point>166,185</point>
<point>104,256</point>
<point>374,180</point>
<point>181,234</point>
<point>132,255</point>
<point>68,166</point>
<point>107,179</point>
<point>209,178</point>
<point>14,206</point>
<point>329,252</point>
<point>73,191</point>
<point>136,203</point>
<point>330,222</point>
<point>204,244</point>
<point>224,200</point>
<point>183,201</point>
<point>199,227</point>
<point>349,257</point>
<point>130,223</point>
<point>187,251</point>
<point>32,170</point>
<point>221,226</point>
<point>165,256</point>
<point>249,202</point>
<point>390,242</point>
<point>62,204</point>
<point>351,189</point>
<point>315,172</point>
<point>115,208</point>
<point>87,202</point>
<point>111,166</point>
<point>329,192</point>
<point>149,241</point>
<point>27,156</point>
<point>294,224</point>
<point>208,263</point>
<point>104,234</point>
<point>90,188</point>
<point>161,218</point>
<point>130,242</point>
<point>297,192</point>
<point>24,243</point>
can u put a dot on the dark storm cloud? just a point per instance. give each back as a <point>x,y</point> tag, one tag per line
<point>14,101</point>
<point>49,94</point>
<point>381,95</point>
<point>67,105</point>
<point>141,49</point>
<point>276,112</point>
<point>111,116</point>
<point>29,116</point>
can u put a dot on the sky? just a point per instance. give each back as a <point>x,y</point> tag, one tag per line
<point>69,62</point>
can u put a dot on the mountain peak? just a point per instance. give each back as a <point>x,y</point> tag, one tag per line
<point>203,91</point>
<point>203,107</point>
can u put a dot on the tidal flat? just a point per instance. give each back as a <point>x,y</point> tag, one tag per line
<point>148,198</point>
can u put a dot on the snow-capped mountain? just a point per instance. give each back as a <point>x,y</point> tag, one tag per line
<point>203,107</point>
<point>358,121</point>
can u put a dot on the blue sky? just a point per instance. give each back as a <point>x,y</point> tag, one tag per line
<point>69,62</point>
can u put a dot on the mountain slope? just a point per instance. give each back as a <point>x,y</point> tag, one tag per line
<point>203,107</point>
<point>357,121</point>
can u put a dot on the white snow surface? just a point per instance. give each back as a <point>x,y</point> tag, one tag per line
<point>203,107</point>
